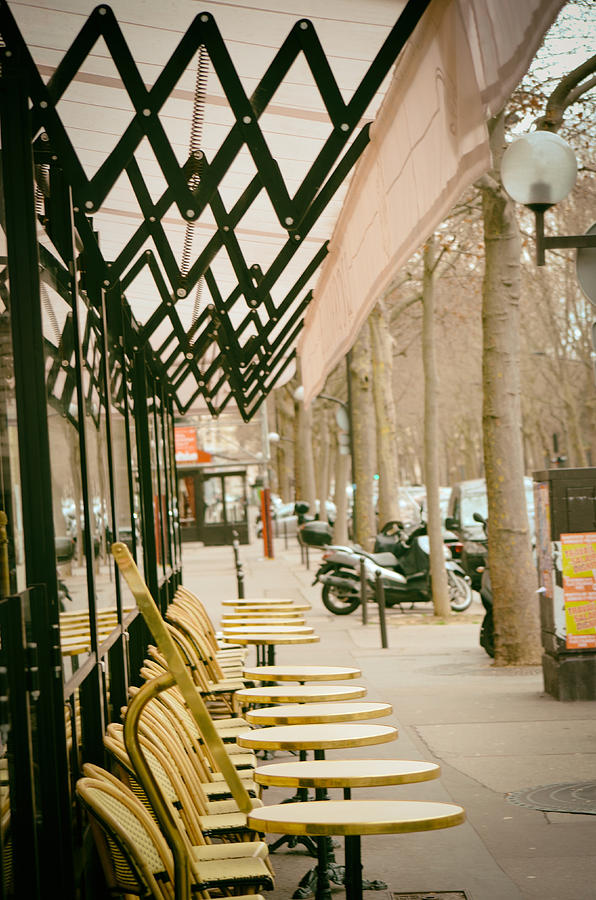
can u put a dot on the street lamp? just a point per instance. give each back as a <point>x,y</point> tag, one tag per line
<point>539,170</point>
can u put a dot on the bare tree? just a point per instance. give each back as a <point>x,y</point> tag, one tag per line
<point>385,417</point>
<point>513,576</point>
<point>438,573</point>
<point>363,426</point>
<point>340,526</point>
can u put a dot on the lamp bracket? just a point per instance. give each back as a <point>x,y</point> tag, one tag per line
<point>563,242</point>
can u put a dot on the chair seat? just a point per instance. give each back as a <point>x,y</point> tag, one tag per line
<point>220,790</point>
<point>232,872</point>
<point>238,849</point>
<point>228,823</point>
<point>221,807</point>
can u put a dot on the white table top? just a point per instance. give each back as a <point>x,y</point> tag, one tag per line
<point>300,693</point>
<point>316,737</point>
<point>355,817</point>
<point>316,713</point>
<point>301,673</point>
<point>233,630</point>
<point>276,638</point>
<point>340,773</point>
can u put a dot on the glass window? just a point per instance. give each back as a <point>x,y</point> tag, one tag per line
<point>235,498</point>
<point>12,564</point>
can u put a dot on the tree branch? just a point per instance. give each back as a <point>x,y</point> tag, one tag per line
<point>568,91</point>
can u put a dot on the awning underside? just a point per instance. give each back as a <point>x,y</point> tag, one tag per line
<point>162,220</point>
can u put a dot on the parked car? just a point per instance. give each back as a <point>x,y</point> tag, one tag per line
<point>469,497</point>
<point>285,520</point>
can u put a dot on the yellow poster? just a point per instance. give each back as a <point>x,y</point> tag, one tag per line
<point>578,559</point>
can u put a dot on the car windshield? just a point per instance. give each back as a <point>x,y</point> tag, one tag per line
<point>476,501</point>
<point>471,502</point>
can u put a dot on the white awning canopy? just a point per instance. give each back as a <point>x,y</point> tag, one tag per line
<point>429,142</point>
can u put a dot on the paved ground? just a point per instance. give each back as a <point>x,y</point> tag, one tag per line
<point>492,731</point>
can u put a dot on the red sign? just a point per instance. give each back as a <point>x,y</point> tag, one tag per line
<point>185,443</point>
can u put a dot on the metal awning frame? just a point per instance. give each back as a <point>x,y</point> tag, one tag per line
<point>218,360</point>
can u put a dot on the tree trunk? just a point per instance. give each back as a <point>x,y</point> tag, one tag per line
<point>284,422</point>
<point>305,468</point>
<point>323,465</point>
<point>438,572</point>
<point>382,382</point>
<point>340,526</point>
<point>513,577</point>
<point>363,426</point>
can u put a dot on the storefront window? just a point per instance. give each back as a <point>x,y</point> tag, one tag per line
<point>12,563</point>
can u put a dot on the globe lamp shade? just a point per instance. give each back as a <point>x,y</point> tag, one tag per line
<point>538,169</point>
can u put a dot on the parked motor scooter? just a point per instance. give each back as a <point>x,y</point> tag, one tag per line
<point>487,629</point>
<point>402,556</point>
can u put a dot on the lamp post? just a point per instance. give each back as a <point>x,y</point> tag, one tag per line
<point>539,170</point>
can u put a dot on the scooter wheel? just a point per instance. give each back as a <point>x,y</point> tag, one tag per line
<point>460,591</point>
<point>338,604</point>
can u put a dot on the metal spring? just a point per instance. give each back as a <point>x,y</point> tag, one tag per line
<point>196,137</point>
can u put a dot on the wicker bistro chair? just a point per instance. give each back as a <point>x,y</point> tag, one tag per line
<point>203,819</point>
<point>175,715</point>
<point>189,601</point>
<point>137,859</point>
<point>218,691</point>
<point>230,657</point>
<point>179,617</point>
<point>227,726</point>
<point>208,790</point>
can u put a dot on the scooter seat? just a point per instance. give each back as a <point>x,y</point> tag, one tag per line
<point>386,560</point>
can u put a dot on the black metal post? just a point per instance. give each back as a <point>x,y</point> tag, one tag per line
<point>34,459</point>
<point>351,418</point>
<point>380,595</point>
<point>141,420</point>
<point>15,693</point>
<point>539,214</point>
<point>363,592</point>
<point>353,867</point>
<point>238,565</point>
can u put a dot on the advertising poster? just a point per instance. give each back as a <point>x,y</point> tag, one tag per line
<point>543,542</point>
<point>578,559</point>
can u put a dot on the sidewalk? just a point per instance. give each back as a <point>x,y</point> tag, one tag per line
<point>492,731</point>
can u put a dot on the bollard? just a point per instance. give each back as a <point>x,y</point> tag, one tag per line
<point>363,592</point>
<point>238,564</point>
<point>285,535</point>
<point>307,556</point>
<point>380,595</point>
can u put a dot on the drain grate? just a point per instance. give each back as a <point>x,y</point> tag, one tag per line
<point>578,797</point>
<point>432,895</point>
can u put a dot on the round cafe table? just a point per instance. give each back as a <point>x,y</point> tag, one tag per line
<point>232,630</point>
<point>270,641</point>
<point>346,773</point>
<point>267,607</point>
<point>317,713</point>
<point>241,601</point>
<point>353,818</point>
<point>316,737</point>
<point>302,674</point>
<point>263,602</point>
<point>275,615</point>
<point>298,693</point>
